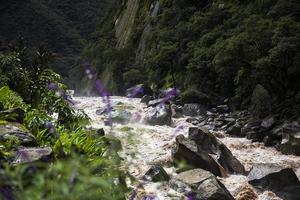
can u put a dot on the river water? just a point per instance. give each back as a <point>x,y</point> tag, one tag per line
<point>144,145</point>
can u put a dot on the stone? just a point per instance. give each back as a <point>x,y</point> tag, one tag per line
<point>146,99</point>
<point>177,111</point>
<point>186,150</point>
<point>223,109</point>
<point>160,115</point>
<point>155,102</point>
<point>192,109</point>
<point>29,155</point>
<point>8,132</point>
<point>200,184</point>
<point>156,174</point>
<point>234,130</point>
<point>14,115</point>
<point>290,143</point>
<point>268,122</point>
<point>280,180</point>
<point>207,142</point>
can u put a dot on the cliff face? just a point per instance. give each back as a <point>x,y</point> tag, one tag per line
<point>220,49</point>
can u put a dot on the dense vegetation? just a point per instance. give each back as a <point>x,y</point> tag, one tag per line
<point>247,51</point>
<point>82,165</point>
<point>61,26</point>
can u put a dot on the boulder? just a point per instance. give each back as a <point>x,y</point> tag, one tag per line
<point>200,184</point>
<point>186,150</point>
<point>208,143</point>
<point>8,132</point>
<point>156,174</point>
<point>234,130</point>
<point>155,102</point>
<point>192,109</point>
<point>14,115</point>
<point>290,143</point>
<point>146,99</point>
<point>28,155</point>
<point>177,111</point>
<point>223,109</point>
<point>268,122</point>
<point>160,115</point>
<point>280,180</point>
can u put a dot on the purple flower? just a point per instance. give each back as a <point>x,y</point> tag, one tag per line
<point>52,86</point>
<point>191,197</point>
<point>149,197</point>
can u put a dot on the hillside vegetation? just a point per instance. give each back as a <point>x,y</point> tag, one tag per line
<point>247,51</point>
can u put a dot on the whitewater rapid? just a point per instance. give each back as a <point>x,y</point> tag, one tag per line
<point>144,145</point>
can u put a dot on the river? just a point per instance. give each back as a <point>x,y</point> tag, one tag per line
<point>144,145</point>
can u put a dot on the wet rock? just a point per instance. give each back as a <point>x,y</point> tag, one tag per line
<point>200,184</point>
<point>155,102</point>
<point>192,109</point>
<point>186,150</point>
<point>99,133</point>
<point>8,132</point>
<point>250,127</point>
<point>177,111</point>
<point>146,99</point>
<point>121,116</point>
<point>208,143</point>
<point>290,143</point>
<point>101,111</point>
<point>156,174</point>
<point>234,130</point>
<point>282,181</point>
<point>14,115</point>
<point>223,109</point>
<point>160,115</point>
<point>28,155</point>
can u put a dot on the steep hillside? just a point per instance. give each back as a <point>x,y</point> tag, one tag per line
<point>62,26</point>
<point>247,51</point>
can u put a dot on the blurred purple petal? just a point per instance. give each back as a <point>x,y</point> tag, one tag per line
<point>52,86</point>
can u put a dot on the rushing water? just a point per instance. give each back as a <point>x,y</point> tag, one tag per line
<point>144,145</point>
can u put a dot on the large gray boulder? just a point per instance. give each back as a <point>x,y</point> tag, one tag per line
<point>160,115</point>
<point>280,180</point>
<point>186,150</point>
<point>200,184</point>
<point>12,131</point>
<point>29,155</point>
<point>208,143</point>
<point>192,109</point>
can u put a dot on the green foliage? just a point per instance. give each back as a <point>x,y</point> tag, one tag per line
<point>261,101</point>
<point>10,99</point>
<point>221,48</point>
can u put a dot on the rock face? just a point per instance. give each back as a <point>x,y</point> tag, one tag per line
<point>28,155</point>
<point>8,132</point>
<point>200,184</point>
<point>156,174</point>
<point>14,115</point>
<point>282,181</point>
<point>186,150</point>
<point>208,143</point>
<point>146,99</point>
<point>290,143</point>
<point>160,115</point>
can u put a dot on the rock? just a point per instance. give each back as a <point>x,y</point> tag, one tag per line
<point>7,132</point>
<point>200,184</point>
<point>146,99</point>
<point>282,181</point>
<point>14,115</point>
<point>28,155</point>
<point>160,115</point>
<point>99,133</point>
<point>192,110</point>
<point>250,127</point>
<point>223,109</point>
<point>177,111</point>
<point>234,130</point>
<point>208,143</point>
<point>268,122</point>
<point>136,91</point>
<point>121,116</point>
<point>290,143</point>
<point>186,150</point>
<point>156,174</point>
<point>155,102</point>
